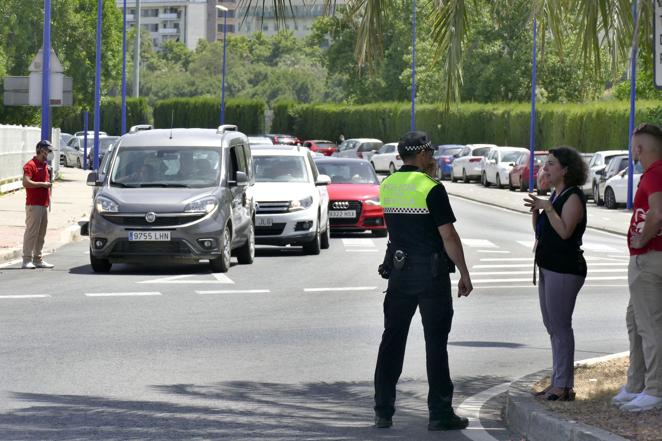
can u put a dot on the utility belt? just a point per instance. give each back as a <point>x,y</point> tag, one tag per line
<point>398,259</point>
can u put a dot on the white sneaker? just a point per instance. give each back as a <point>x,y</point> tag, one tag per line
<point>28,265</point>
<point>642,402</point>
<point>622,397</point>
<point>43,264</point>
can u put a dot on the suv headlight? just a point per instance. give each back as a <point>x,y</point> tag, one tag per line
<point>301,204</point>
<point>105,205</point>
<point>203,205</point>
<point>372,201</point>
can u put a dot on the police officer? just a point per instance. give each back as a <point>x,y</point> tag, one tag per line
<point>423,248</point>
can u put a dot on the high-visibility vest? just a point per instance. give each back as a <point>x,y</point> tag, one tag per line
<point>406,193</point>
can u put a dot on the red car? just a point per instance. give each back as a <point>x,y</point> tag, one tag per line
<point>353,195</point>
<point>327,148</point>
<point>519,175</point>
<point>283,139</point>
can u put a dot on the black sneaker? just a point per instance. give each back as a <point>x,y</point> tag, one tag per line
<point>383,422</point>
<point>452,422</point>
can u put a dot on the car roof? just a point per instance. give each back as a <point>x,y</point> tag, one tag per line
<point>364,139</point>
<point>611,152</point>
<point>278,152</point>
<point>177,137</point>
<point>334,160</point>
<point>481,145</point>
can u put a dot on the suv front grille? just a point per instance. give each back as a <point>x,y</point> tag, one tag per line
<point>343,206</point>
<point>273,207</point>
<point>175,247</point>
<point>160,221</point>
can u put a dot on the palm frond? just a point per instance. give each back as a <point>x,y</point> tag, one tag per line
<point>369,38</point>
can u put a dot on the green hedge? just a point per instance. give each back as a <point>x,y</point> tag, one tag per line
<point>70,119</point>
<point>588,127</point>
<point>204,112</point>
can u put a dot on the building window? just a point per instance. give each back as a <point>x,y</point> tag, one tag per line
<point>265,27</point>
<point>149,13</point>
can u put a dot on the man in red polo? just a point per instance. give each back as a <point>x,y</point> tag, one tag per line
<point>37,183</point>
<point>643,390</point>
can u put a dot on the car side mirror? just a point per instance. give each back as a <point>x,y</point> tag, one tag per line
<point>93,179</point>
<point>323,180</point>
<point>241,179</point>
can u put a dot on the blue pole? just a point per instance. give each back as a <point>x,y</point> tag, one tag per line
<point>413,68</point>
<point>97,88</point>
<point>46,74</point>
<point>85,164</point>
<point>532,126</point>
<point>633,97</point>
<point>123,131</point>
<point>225,45</point>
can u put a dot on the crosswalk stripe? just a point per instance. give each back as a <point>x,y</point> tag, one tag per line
<point>122,294</point>
<point>348,288</point>
<point>25,296</point>
<point>508,273</point>
<point>493,251</point>
<point>478,243</point>
<point>358,242</point>
<point>234,291</point>
<point>526,265</point>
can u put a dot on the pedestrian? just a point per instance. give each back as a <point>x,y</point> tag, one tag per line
<point>643,390</point>
<point>423,246</point>
<point>37,183</point>
<point>341,139</point>
<point>559,224</point>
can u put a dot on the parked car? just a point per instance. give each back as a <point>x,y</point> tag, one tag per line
<point>599,161</point>
<point>615,166</point>
<point>353,195</point>
<point>174,194</point>
<point>616,187</point>
<point>361,148</point>
<point>292,202</point>
<point>75,148</point>
<point>496,166</point>
<point>105,142</point>
<point>90,133</point>
<point>259,140</point>
<point>519,175</point>
<point>327,148</point>
<point>467,165</point>
<point>386,159</point>
<point>444,156</point>
<point>283,139</point>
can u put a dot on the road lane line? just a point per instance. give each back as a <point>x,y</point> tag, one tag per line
<point>26,296</point>
<point>471,407</point>
<point>234,291</point>
<point>122,294</point>
<point>349,288</point>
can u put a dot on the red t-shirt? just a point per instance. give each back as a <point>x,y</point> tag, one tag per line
<point>650,182</point>
<point>38,172</point>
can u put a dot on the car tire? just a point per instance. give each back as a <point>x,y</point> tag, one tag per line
<point>610,199</point>
<point>65,163</point>
<point>483,180</point>
<point>325,241</point>
<point>100,265</point>
<point>380,233</point>
<point>596,196</point>
<point>246,253</point>
<point>465,178</point>
<point>78,164</point>
<point>391,168</point>
<point>221,264</point>
<point>313,247</point>
<point>511,187</point>
<point>523,188</point>
<point>498,181</point>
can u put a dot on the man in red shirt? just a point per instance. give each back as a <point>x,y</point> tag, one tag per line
<point>643,390</point>
<point>37,183</point>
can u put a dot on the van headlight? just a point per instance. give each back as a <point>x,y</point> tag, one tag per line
<point>203,205</point>
<point>372,201</point>
<point>301,204</point>
<point>105,205</point>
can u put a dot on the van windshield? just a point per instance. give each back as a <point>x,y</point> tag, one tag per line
<point>193,167</point>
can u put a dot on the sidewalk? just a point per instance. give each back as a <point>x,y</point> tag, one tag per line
<point>72,201</point>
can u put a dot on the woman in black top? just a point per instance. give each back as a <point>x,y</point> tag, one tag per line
<point>559,224</point>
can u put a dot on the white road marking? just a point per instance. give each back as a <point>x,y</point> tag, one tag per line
<point>510,273</point>
<point>526,265</point>
<point>471,407</point>
<point>493,251</point>
<point>122,294</point>
<point>526,243</point>
<point>478,243</point>
<point>530,259</point>
<point>218,278</point>
<point>367,250</point>
<point>25,296</point>
<point>357,242</point>
<point>599,247</point>
<point>535,287</point>
<point>234,291</point>
<point>348,288</point>
<point>527,279</point>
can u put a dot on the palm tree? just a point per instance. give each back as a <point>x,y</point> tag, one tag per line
<point>605,24</point>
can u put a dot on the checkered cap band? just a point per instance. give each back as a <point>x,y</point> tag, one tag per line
<point>418,148</point>
<point>405,210</point>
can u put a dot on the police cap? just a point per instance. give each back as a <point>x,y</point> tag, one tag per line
<point>414,142</point>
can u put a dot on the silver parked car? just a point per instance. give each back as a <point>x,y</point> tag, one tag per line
<point>182,194</point>
<point>362,148</point>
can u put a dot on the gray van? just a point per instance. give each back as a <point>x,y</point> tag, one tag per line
<point>174,194</point>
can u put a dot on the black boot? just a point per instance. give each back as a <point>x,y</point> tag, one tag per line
<point>382,422</point>
<point>451,422</point>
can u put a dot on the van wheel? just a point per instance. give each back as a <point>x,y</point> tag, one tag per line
<point>325,241</point>
<point>221,264</point>
<point>246,253</point>
<point>314,246</point>
<point>100,265</point>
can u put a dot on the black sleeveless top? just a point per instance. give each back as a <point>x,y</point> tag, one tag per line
<point>554,253</point>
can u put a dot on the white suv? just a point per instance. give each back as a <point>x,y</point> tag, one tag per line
<point>291,199</point>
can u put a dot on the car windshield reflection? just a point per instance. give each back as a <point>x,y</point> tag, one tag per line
<point>280,169</point>
<point>358,173</point>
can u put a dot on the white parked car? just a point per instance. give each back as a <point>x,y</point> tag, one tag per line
<point>467,165</point>
<point>361,148</point>
<point>291,199</point>
<point>496,166</point>
<point>386,159</point>
<point>598,162</point>
<point>616,188</point>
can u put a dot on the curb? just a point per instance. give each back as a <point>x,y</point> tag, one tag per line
<point>529,419</point>
<point>68,235</point>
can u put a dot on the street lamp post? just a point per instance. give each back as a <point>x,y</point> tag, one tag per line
<point>46,74</point>
<point>225,43</point>
<point>413,68</point>
<point>123,131</point>
<point>97,88</point>
<point>532,122</point>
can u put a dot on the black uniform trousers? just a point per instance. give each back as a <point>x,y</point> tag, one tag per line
<point>408,288</point>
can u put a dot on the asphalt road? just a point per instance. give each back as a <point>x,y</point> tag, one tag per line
<point>281,349</point>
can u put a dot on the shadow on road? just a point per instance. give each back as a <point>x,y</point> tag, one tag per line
<point>237,410</point>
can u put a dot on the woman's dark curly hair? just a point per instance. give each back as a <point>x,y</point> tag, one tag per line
<point>577,170</point>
